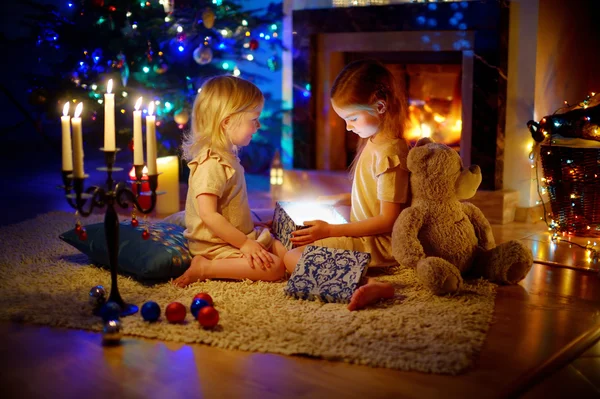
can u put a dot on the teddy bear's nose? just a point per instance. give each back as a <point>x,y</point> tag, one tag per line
<point>475,169</point>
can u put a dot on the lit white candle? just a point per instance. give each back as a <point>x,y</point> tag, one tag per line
<point>138,142</point>
<point>151,140</point>
<point>109,118</point>
<point>77,142</point>
<point>168,203</point>
<point>67,149</point>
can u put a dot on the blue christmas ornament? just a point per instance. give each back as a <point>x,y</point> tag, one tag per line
<point>150,311</point>
<point>198,304</point>
<point>110,311</point>
<point>112,333</point>
<point>97,296</point>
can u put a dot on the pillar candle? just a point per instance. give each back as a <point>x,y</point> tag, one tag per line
<point>67,149</point>
<point>151,140</point>
<point>138,143</point>
<point>77,143</point>
<point>168,203</point>
<point>109,118</point>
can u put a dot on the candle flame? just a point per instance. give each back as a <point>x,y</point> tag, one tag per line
<point>150,108</point>
<point>66,109</point>
<point>109,86</point>
<point>78,110</point>
<point>138,104</point>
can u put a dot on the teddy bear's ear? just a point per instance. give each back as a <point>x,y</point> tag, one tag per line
<point>418,156</point>
<point>423,141</point>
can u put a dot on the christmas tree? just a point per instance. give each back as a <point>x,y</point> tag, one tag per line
<point>159,50</point>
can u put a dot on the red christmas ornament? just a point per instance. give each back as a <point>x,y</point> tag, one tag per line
<point>208,317</point>
<point>78,228</point>
<point>145,235</point>
<point>175,312</point>
<point>204,296</point>
<point>253,44</point>
<point>135,222</point>
<point>82,234</point>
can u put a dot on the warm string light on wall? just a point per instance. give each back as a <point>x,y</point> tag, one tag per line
<point>574,212</point>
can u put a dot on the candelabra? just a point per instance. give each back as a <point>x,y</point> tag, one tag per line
<point>84,200</point>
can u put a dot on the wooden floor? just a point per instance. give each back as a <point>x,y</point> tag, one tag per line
<point>540,345</point>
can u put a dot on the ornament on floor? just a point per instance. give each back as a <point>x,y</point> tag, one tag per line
<point>208,18</point>
<point>181,116</point>
<point>196,305</point>
<point>205,296</point>
<point>150,311</point>
<point>97,296</point>
<point>208,317</point>
<point>110,311</point>
<point>175,312</point>
<point>111,333</point>
<point>203,54</point>
<point>146,234</point>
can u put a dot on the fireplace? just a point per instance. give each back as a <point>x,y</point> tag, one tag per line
<point>451,73</point>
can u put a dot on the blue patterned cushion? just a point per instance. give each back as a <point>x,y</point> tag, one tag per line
<point>163,256</point>
<point>289,216</point>
<point>328,274</point>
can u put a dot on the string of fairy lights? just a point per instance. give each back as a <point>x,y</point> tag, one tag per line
<point>230,41</point>
<point>543,134</point>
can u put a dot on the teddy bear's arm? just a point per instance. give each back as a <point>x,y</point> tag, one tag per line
<point>483,229</point>
<point>406,247</point>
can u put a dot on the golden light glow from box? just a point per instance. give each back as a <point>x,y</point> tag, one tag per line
<point>301,212</point>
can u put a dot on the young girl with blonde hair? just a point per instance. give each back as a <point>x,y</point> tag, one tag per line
<point>366,96</point>
<point>219,228</point>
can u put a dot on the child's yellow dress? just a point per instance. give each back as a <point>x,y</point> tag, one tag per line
<point>211,173</point>
<point>381,175</point>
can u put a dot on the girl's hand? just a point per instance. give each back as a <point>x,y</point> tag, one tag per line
<point>318,229</point>
<point>256,254</point>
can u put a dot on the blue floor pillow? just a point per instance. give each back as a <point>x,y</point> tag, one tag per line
<point>164,255</point>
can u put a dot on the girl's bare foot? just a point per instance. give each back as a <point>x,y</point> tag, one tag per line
<point>370,293</point>
<point>194,273</point>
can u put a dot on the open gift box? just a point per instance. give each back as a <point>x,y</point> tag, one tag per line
<point>290,216</point>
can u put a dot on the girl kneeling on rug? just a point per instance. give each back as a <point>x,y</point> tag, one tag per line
<point>366,96</point>
<point>219,228</point>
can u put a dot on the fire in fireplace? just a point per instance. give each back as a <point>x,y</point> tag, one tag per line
<point>434,101</point>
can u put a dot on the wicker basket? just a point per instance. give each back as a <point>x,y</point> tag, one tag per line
<point>573,183</point>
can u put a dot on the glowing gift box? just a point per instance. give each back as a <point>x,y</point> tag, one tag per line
<point>290,216</point>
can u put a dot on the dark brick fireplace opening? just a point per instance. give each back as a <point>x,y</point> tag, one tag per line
<point>469,39</point>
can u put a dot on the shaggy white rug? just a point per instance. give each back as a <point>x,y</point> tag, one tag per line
<point>46,281</point>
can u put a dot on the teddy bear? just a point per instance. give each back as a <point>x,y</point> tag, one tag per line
<point>444,239</point>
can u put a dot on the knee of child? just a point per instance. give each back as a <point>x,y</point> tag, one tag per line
<point>289,261</point>
<point>278,264</point>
